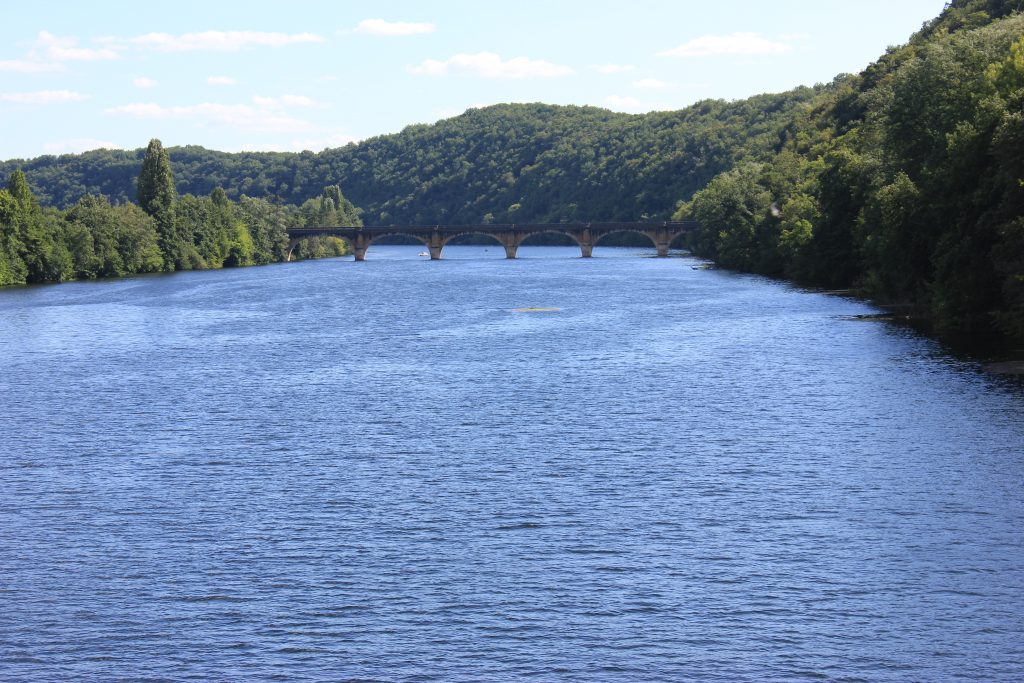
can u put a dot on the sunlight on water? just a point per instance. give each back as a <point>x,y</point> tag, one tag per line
<point>619,468</point>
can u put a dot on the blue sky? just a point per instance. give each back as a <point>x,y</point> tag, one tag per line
<point>309,75</point>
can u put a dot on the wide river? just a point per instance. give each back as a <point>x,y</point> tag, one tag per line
<point>384,471</point>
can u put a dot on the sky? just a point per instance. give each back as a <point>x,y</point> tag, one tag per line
<point>289,76</point>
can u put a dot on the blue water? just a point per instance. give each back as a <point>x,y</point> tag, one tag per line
<point>327,471</point>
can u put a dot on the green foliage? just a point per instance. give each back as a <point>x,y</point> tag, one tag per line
<point>905,181</point>
<point>13,270</point>
<point>267,225</point>
<point>30,251</point>
<point>157,194</point>
<point>517,162</point>
<point>94,238</point>
<point>111,241</point>
<point>331,208</point>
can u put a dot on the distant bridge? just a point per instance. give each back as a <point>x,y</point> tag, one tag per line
<point>508,235</point>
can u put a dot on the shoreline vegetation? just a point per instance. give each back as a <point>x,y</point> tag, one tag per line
<point>161,233</point>
<point>903,183</point>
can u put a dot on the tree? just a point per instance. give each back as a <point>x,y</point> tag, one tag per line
<point>45,258</point>
<point>157,195</point>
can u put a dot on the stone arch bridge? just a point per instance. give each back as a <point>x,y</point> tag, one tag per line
<point>510,235</point>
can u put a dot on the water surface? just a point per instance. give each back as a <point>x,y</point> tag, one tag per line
<point>384,471</point>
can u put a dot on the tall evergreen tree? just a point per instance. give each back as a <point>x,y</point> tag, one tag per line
<point>156,191</point>
<point>157,195</point>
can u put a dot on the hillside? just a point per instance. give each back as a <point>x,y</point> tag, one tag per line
<point>523,162</point>
<point>903,181</point>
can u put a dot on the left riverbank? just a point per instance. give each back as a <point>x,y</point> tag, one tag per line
<point>162,232</point>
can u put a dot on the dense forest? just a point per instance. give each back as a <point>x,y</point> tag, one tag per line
<point>903,181</point>
<point>512,162</point>
<point>162,232</point>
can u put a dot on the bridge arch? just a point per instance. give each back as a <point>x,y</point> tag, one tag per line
<point>585,246</point>
<point>361,244</point>
<point>454,238</point>
<point>510,236</point>
<point>652,239</point>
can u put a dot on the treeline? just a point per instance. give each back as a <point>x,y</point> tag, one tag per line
<point>904,181</point>
<point>164,232</point>
<point>506,163</point>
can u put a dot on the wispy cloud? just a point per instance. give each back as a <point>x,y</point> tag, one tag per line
<point>284,101</point>
<point>43,97</point>
<point>652,84</point>
<point>735,44</point>
<point>242,116</point>
<point>449,112</point>
<point>78,145</point>
<point>66,49</point>
<point>623,103</point>
<point>491,65</point>
<point>220,80</point>
<point>221,41</point>
<point>609,69</point>
<point>300,144</point>
<point>144,82</point>
<point>27,66</point>
<point>380,27</point>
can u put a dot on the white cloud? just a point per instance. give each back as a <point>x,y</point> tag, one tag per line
<point>43,97</point>
<point>28,66</point>
<point>742,44</point>
<point>284,101</point>
<point>652,84</point>
<point>609,69</point>
<point>449,112</point>
<point>78,145</point>
<point>242,116</point>
<point>221,41</point>
<point>66,49</point>
<point>379,27</point>
<point>220,80</point>
<point>621,103</point>
<point>300,144</point>
<point>491,65</point>
<point>144,82</point>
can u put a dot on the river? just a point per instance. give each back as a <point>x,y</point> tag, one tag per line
<point>325,471</point>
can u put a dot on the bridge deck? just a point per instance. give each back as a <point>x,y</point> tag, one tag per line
<point>509,235</point>
<point>490,228</point>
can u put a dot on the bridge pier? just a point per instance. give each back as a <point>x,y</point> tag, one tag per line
<point>435,245</point>
<point>510,235</point>
<point>359,244</point>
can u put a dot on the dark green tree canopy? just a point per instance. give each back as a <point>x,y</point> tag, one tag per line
<point>156,192</point>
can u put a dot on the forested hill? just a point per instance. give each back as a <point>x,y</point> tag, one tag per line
<point>905,181</point>
<point>516,162</point>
